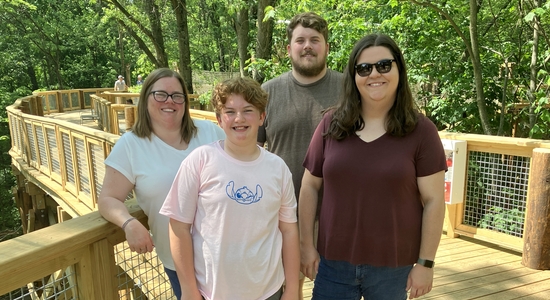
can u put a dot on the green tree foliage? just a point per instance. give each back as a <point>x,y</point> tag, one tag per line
<point>454,70</point>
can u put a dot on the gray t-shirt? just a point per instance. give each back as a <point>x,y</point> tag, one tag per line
<point>293,113</point>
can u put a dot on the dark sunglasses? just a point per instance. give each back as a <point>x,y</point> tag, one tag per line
<point>383,66</point>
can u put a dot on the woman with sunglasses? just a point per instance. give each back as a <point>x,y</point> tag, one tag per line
<point>147,159</point>
<point>381,165</point>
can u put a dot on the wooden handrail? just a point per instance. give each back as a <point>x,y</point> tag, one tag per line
<point>83,242</point>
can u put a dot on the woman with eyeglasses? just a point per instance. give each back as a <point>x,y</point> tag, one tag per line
<point>381,165</point>
<point>146,160</point>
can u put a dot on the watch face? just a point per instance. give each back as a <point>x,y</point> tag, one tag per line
<point>426,263</point>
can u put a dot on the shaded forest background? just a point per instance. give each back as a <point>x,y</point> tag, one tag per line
<point>469,62</point>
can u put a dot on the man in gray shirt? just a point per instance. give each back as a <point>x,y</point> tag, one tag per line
<point>297,97</point>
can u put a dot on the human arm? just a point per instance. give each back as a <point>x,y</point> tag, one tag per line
<point>307,209</point>
<point>291,259</point>
<point>116,188</point>
<point>181,246</point>
<point>431,189</point>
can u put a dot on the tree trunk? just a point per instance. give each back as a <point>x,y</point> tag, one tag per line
<point>478,72</point>
<point>121,45</point>
<point>153,12</point>
<point>32,76</point>
<point>533,70</point>
<point>242,28</point>
<point>180,9</point>
<point>265,35</point>
<point>214,19</point>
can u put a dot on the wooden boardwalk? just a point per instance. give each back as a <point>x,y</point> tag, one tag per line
<point>470,269</point>
<point>465,268</point>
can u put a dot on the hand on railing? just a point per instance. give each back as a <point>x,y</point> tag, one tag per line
<point>138,237</point>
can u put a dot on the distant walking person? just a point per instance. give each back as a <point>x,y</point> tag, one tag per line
<point>120,84</point>
<point>139,80</point>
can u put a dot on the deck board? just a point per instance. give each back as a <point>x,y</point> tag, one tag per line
<point>470,269</point>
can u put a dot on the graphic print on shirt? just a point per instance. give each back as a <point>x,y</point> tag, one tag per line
<point>244,195</point>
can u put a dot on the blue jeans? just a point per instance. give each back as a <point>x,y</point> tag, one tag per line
<point>174,281</point>
<point>344,281</point>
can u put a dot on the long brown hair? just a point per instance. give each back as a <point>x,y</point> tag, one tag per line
<point>402,116</point>
<point>143,127</point>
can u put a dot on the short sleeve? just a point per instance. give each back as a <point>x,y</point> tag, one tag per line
<point>315,156</point>
<point>430,156</point>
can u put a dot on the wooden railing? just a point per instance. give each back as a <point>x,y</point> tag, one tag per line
<point>511,157</point>
<point>75,259</point>
<point>58,163</point>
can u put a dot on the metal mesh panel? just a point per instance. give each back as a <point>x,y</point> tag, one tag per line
<point>16,136</point>
<point>98,166</point>
<point>52,102</point>
<point>54,151</point>
<point>65,100</point>
<point>19,128</point>
<point>68,157</point>
<point>496,192</point>
<point>30,135</point>
<point>74,100</point>
<point>87,99</point>
<point>82,162</point>
<point>141,275</point>
<point>41,147</point>
<point>59,285</point>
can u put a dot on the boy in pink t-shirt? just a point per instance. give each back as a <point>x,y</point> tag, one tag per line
<point>232,209</point>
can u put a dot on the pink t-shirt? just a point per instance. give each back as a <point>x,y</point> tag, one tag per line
<point>235,208</point>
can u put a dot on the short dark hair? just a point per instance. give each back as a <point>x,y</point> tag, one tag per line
<point>143,127</point>
<point>247,87</point>
<point>308,20</point>
<point>402,117</point>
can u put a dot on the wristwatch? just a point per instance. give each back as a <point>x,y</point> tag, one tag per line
<point>426,263</point>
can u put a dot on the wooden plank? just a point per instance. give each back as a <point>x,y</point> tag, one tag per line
<point>478,287</point>
<point>539,290</point>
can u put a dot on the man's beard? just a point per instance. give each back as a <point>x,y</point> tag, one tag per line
<point>309,70</point>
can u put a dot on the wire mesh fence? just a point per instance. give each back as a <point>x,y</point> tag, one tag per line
<point>139,277</point>
<point>59,286</point>
<point>496,193</point>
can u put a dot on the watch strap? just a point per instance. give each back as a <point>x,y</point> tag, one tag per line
<point>426,263</point>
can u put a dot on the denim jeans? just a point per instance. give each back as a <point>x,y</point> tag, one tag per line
<point>173,276</point>
<point>174,281</point>
<point>344,281</point>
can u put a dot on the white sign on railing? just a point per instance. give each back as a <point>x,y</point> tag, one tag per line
<point>455,177</point>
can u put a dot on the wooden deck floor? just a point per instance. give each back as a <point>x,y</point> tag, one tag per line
<point>470,269</point>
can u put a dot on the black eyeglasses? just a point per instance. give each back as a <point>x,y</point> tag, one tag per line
<point>161,96</point>
<point>383,66</point>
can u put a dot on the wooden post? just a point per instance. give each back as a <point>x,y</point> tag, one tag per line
<point>452,220</point>
<point>39,106</point>
<point>536,234</point>
<point>129,119</point>
<point>81,99</point>
<point>96,273</point>
<point>59,100</point>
